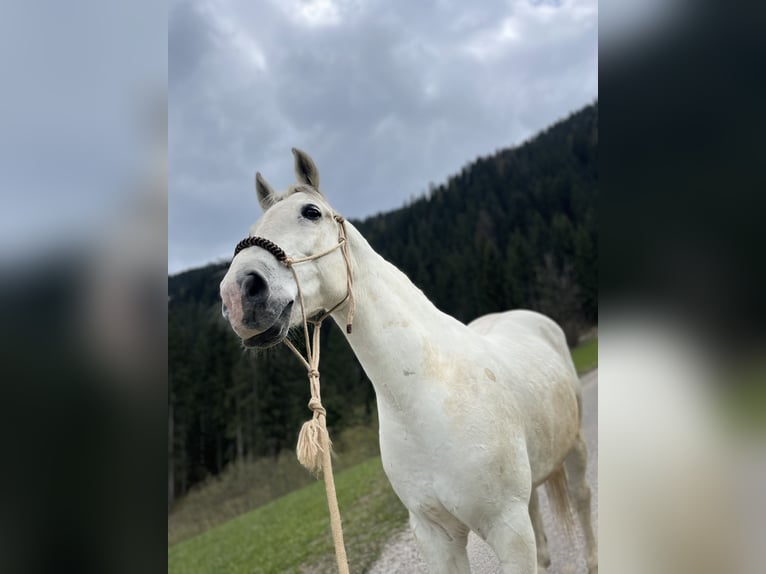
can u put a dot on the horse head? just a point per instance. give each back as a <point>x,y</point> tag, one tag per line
<point>259,291</point>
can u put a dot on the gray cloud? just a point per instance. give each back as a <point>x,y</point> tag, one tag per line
<point>386,96</point>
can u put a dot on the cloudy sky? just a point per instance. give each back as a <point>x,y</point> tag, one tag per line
<point>386,95</point>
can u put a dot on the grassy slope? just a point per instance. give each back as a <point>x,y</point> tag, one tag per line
<point>249,484</point>
<point>585,356</point>
<point>294,530</point>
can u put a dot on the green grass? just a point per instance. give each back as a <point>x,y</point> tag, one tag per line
<point>249,484</point>
<point>585,356</point>
<point>292,533</point>
<point>744,399</point>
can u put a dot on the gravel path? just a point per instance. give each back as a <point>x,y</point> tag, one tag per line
<point>401,555</point>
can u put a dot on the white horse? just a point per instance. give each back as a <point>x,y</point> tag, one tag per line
<point>472,418</point>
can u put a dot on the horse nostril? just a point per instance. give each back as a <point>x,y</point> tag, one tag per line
<point>254,286</point>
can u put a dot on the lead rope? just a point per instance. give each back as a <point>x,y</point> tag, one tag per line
<point>314,445</point>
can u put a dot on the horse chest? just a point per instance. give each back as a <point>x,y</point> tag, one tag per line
<point>412,469</point>
<point>409,441</point>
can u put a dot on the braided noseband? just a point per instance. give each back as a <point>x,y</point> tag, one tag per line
<point>263,243</point>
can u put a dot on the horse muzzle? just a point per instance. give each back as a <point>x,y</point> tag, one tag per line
<point>260,317</point>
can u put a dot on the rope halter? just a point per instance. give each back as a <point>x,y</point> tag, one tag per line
<point>314,445</point>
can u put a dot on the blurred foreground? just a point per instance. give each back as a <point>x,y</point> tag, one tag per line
<point>83,175</point>
<point>681,310</point>
<point>84,385</point>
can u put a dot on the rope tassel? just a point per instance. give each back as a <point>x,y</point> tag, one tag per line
<point>314,436</point>
<point>309,450</point>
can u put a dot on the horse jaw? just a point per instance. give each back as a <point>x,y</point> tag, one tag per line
<point>274,334</point>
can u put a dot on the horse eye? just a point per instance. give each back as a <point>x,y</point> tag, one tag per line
<point>311,212</point>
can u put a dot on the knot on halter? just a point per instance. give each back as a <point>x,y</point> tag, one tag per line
<point>316,406</point>
<point>313,374</point>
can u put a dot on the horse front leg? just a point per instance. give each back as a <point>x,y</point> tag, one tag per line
<point>511,536</point>
<point>443,546</point>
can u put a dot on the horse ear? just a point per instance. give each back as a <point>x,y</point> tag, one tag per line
<point>305,169</point>
<point>266,195</point>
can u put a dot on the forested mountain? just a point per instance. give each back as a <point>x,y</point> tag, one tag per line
<point>514,229</point>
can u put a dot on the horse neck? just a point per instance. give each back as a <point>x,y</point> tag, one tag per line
<point>393,321</point>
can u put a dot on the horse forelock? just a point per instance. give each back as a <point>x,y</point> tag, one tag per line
<point>299,187</point>
<point>302,187</point>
